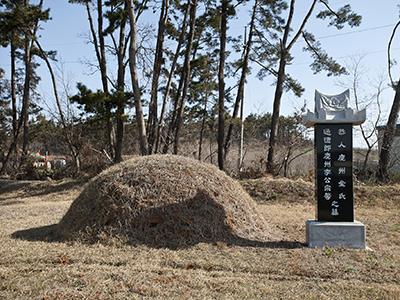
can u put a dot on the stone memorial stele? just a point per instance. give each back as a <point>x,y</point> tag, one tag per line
<point>333,122</point>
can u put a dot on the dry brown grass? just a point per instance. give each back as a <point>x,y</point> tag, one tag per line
<point>280,189</point>
<point>269,189</point>
<point>287,270</point>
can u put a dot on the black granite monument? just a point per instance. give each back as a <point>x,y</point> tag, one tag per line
<point>333,124</point>
<point>334,180</point>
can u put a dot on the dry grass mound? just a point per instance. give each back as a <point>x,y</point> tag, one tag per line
<point>164,201</point>
<point>267,189</point>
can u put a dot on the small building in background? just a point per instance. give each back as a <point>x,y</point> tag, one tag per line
<point>395,152</point>
<point>39,161</point>
<point>48,162</point>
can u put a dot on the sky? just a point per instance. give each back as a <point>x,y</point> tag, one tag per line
<point>67,32</point>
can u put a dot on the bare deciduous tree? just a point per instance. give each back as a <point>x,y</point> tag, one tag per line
<point>135,79</point>
<point>388,136</point>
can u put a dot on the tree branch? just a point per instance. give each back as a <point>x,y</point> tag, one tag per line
<point>287,26</point>
<point>270,70</point>
<point>388,52</point>
<point>311,46</point>
<point>93,32</point>
<point>329,8</point>
<point>303,24</point>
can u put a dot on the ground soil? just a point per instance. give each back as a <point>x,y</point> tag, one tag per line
<point>31,268</point>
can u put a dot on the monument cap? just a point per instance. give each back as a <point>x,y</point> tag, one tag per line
<point>333,109</point>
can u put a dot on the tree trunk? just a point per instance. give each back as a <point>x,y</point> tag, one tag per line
<point>168,88</point>
<point>175,109</point>
<point>104,80</point>
<point>241,143</point>
<point>275,115</point>
<point>24,117</point>
<point>387,141</point>
<point>135,81</point>
<point>77,161</point>
<point>187,72</point>
<point>121,97</point>
<point>26,98</point>
<point>13,88</point>
<point>158,60</point>
<point>120,131</point>
<point>366,158</point>
<point>242,81</point>
<point>102,61</point>
<point>221,83</point>
<point>286,162</point>
<point>210,149</point>
<point>13,96</point>
<point>99,47</point>
<point>203,123</point>
<point>281,77</point>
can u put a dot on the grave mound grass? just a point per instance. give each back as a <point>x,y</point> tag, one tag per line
<point>164,201</point>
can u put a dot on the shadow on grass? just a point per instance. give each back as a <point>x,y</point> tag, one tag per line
<point>47,233</point>
<point>37,188</point>
<point>175,226</point>
<point>45,189</point>
<point>50,234</point>
<point>8,186</point>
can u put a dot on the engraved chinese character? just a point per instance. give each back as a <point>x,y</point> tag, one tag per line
<point>327,180</point>
<point>327,188</point>
<point>327,148</point>
<point>327,155</point>
<point>327,172</point>
<point>342,196</point>
<point>341,145</point>
<point>335,204</point>
<point>342,183</point>
<point>341,131</point>
<point>341,157</point>
<point>334,212</point>
<point>327,131</point>
<point>327,164</point>
<point>342,170</point>
<point>328,196</point>
<point>327,140</point>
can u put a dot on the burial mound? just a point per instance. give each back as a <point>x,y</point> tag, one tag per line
<point>164,201</point>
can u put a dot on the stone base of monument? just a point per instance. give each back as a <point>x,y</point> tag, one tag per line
<point>335,234</point>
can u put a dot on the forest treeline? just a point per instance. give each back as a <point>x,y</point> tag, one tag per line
<point>182,77</point>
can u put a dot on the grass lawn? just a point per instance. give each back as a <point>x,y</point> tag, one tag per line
<point>32,269</point>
